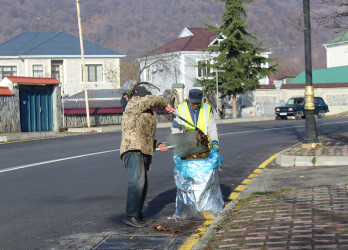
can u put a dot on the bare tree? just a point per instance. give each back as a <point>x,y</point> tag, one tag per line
<point>333,15</point>
<point>159,67</point>
<point>286,67</point>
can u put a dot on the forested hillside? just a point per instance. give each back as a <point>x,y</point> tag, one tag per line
<point>133,27</point>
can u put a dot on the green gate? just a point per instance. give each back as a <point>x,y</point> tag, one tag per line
<point>36,108</point>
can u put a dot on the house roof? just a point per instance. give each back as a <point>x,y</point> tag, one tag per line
<point>97,98</point>
<point>190,39</point>
<point>98,93</point>
<point>32,80</point>
<point>59,44</point>
<point>271,80</point>
<point>324,75</point>
<point>339,39</point>
<point>5,91</point>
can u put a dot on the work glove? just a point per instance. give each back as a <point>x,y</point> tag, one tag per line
<point>215,145</point>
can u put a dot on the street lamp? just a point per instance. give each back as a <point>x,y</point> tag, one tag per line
<point>311,129</point>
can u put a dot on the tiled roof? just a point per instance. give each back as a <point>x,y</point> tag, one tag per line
<point>51,44</point>
<point>325,75</point>
<point>341,38</point>
<point>200,40</point>
<point>271,80</point>
<point>33,80</point>
<point>98,93</point>
<point>5,91</point>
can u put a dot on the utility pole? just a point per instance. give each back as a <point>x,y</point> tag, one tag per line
<point>83,63</point>
<point>311,139</point>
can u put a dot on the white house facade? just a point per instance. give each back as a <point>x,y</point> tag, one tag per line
<point>51,54</point>
<point>180,61</point>
<point>337,51</point>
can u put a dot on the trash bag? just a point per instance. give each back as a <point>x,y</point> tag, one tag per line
<point>198,189</point>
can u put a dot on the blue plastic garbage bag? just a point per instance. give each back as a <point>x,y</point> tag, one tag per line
<point>198,187</point>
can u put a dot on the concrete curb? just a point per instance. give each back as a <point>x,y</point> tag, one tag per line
<point>213,228</point>
<point>27,136</point>
<point>105,129</point>
<point>284,160</point>
<point>95,129</point>
<point>331,161</point>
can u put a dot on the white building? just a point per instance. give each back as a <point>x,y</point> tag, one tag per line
<point>58,54</point>
<point>179,61</point>
<point>337,51</point>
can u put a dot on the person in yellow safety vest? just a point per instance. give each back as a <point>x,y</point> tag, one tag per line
<point>198,113</point>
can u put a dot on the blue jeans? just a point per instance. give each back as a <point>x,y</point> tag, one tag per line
<point>137,165</point>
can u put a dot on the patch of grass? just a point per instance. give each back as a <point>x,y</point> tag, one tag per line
<point>210,239</point>
<point>314,160</point>
<point>226,218</point>
<point>264,193</point>
<point>286,189</point>
<point>338,115</point>
<point>242,201</point>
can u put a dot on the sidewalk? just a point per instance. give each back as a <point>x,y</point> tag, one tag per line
<point>300,206</point>
<point>298,201</point>
<point>333,152</point>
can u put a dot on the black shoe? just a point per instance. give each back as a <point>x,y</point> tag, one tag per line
<point>143,218</point>
<point>134,221</point>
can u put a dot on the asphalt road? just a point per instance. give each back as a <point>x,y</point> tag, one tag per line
<point>54,188</point>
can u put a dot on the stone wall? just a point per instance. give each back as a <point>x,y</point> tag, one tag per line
<point>10,113</point>
<point>268,99</point>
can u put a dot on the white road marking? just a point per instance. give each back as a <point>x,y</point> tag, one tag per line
<point>299,126</point>
<point>56,160</point>
<point>109,151</point>
<point>258,130</point>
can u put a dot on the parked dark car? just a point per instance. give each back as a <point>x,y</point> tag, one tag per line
<point>295,107</point>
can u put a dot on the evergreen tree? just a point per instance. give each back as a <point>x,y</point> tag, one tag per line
<point>239,61</point>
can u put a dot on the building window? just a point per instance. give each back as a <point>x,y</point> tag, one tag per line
<point>37,71</point>
<point>7,71</point>
<point>203,68</point>
<point>94,73</point>
<point>147,74</point>
<point>55,72</point>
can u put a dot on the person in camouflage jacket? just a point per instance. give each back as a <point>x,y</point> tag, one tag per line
<point>137,145</point>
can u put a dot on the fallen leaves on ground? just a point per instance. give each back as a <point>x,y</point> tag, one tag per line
<point>174,230</point>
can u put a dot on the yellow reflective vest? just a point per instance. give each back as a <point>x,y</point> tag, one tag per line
<point>203,118</point>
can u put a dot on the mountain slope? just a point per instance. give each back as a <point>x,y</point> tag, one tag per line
<point>133,27</point>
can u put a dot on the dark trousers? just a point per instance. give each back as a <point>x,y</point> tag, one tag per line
<point>137,165</point>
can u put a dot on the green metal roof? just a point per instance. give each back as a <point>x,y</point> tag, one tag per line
<point>325,75</point>
<point>178,85</point>
<point>341,38</point>
<point>197,84</point>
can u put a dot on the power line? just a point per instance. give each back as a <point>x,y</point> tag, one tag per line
<point>294,47</point>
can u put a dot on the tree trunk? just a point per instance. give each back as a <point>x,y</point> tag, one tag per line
<point>234,104</point>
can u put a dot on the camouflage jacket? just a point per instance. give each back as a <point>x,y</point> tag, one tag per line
<point>139,124</point>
